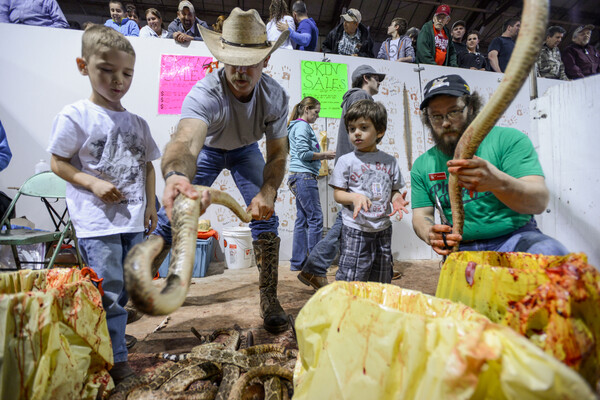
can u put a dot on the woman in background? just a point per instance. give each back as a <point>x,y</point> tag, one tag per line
<point>132,13</point>
<point>218,25</point>
<point>305,162</point>
<point>155,25</point>
<point>278,12</point>
<point>472,59</point>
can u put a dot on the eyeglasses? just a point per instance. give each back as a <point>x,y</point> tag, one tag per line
<point>376,77</point>
<point>453,116</point>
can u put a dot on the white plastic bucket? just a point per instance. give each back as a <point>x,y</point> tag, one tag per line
<point>237,246</point>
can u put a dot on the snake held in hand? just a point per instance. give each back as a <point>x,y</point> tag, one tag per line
<point>531,36</point>
<point>150,298</point>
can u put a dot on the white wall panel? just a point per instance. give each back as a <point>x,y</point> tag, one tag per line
<point>38,77</point>
<point>567,118</point>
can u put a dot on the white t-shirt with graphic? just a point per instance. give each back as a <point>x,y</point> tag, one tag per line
<point>110,145</point>
<point>374,174</point>
<point>394,48</point>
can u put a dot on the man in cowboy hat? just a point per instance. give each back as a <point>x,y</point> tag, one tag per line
<point>222,119</point>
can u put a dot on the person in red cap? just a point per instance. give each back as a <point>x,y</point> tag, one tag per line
<point>433,44</point>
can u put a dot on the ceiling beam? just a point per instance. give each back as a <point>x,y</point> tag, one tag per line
<point>337,11</point>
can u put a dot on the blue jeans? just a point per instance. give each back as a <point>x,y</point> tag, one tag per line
<point>527,239</point>
<point>246,165</point>
<point>308,228</point>
<point>322,255</point>
<point>105,255</point>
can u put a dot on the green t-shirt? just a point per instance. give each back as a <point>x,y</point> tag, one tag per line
<point>486,217</point>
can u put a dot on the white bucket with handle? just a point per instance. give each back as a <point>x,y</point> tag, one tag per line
<point>237,246</point>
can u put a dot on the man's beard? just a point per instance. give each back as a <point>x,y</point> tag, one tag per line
<point>448,147</point>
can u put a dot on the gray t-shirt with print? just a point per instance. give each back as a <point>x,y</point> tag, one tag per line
<point>231,123</point>
<point>374,174</point>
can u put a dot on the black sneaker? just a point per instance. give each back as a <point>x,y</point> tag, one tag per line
<point>130,341</point>
<point>121,371</point>
<point>132,314</point>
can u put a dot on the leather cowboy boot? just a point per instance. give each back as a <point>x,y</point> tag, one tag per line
<point>266,251</point>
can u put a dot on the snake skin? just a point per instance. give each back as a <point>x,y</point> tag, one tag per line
<point>267,370</point>
<point>191,377</point>
<point>146,296</point>
<point>527,47</point>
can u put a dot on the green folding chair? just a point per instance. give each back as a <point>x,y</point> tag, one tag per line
<point>45,185</point>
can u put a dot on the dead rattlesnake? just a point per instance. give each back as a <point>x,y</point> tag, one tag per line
<point>147,297</point>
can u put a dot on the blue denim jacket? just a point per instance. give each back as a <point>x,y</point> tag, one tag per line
<point>127,27</point>
<point>303,145</point>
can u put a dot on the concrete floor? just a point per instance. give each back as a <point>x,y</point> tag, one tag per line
<point>225,298</point>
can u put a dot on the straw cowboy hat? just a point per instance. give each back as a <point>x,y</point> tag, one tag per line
<point>243,41</point>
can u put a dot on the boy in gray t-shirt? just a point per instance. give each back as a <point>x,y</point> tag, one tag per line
<point>367,183</point>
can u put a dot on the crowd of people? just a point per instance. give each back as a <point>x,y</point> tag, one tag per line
<point>436,42</point>
<point>105,153</point>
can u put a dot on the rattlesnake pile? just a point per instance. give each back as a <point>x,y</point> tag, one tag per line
<point>212,371</point>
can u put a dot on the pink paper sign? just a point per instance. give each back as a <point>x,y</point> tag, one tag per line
<point>178,74</point>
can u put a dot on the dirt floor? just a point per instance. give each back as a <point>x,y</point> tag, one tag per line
<point>225,298</point>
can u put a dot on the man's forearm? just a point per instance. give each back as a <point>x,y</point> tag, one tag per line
<point>273,176</point>
<point>422,223</point>
<point>177,157</point>
<point>183,149</point>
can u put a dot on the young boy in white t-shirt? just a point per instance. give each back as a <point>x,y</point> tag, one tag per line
<point>365,182</point>
<point>105,154</point>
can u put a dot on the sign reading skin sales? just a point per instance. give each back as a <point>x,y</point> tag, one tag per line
<point>326,82</point>
<point>178,74</point>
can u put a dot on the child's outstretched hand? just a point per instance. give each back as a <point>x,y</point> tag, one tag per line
<point>106,191</point>
<point>399,204</point>
<point>360,201</point>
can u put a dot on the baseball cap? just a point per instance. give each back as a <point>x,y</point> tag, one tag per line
<point>183,4</point>
<point>366,70</point>
<point>459,22</point>
<point>583,28</point>
<point>443,9</point>
<point>451,85</point>
<point>352,15</point>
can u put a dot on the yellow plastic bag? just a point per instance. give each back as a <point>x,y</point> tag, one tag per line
<point>375,341</point>
<point>554,301</point>
<point>55,342</point>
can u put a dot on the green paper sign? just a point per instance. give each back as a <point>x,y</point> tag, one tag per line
<point>326,82</point>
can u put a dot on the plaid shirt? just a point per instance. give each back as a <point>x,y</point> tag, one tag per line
<point>550,65</point>
<point>349,45</point>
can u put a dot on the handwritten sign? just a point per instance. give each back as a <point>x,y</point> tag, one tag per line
<point>326,82</point>
<point>178,74</point>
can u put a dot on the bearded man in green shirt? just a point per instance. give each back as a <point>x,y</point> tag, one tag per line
<point>503,185</point>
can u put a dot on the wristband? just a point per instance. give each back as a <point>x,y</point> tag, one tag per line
<point>174,173</point>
